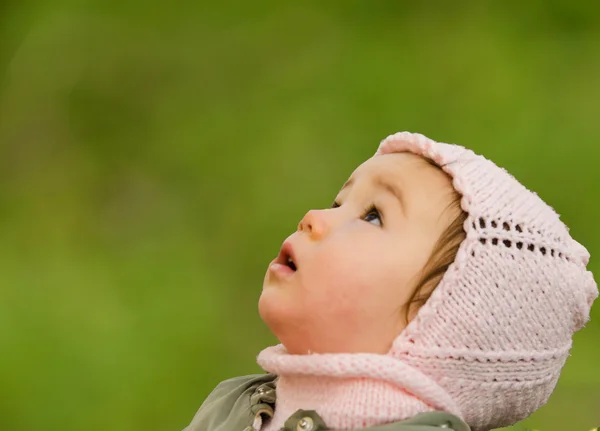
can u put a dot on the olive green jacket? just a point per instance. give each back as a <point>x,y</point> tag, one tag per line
<point>235,403</point>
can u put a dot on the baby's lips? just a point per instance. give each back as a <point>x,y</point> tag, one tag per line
<point>286,253</point>
<point>281,270</point>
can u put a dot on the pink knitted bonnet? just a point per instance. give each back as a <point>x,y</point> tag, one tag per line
<point>497,330</point>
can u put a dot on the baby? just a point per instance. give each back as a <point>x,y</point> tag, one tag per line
<point>436,293</point>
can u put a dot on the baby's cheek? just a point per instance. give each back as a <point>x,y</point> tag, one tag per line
<point>339,287</point>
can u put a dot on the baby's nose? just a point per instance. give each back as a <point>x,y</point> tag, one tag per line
<point>314,224</point>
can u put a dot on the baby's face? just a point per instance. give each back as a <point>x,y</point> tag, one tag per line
<point>355,265</point>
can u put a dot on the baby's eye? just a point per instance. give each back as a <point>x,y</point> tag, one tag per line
<point>373,215</point>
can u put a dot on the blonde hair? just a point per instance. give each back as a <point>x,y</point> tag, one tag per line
<point>444,253</point>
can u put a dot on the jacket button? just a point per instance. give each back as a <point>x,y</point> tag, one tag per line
<point>305,424</point>
<point>445,426</point>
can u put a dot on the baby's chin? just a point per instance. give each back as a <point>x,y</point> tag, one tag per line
<point>268,308</point>
<point>300,332</point>
<point>280,315</point>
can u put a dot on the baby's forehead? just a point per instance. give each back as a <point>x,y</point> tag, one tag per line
<point>413,178</point>
<point>395,166</point>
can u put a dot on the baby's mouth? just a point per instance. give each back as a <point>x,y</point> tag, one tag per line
<point>291,263</point>
<point>286,257</point>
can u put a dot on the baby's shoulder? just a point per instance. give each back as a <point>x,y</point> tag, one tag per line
<point>240,385</point>
<point>227,405</point>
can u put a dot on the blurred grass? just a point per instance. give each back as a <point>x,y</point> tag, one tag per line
<point>153,156</point>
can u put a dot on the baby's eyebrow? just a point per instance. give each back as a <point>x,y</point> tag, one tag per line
<point>391,188</point>
<point>347,184</point>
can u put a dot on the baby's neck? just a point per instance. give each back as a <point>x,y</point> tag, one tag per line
<point>347,391</point>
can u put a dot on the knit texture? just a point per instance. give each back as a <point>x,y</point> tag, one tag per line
<point>350,391</point>
<point>489,344</point>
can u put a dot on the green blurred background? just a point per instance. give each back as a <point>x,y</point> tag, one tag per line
<point>153,156</point>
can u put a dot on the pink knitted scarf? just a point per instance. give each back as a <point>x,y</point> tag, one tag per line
<point>350,391</point>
